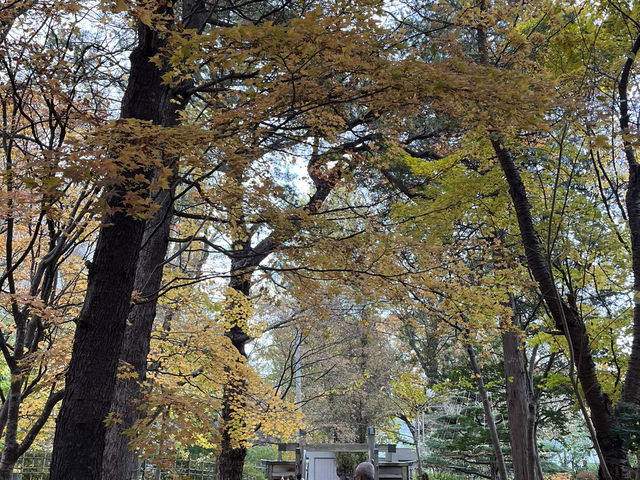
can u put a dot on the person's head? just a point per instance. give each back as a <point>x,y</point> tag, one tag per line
<point>364,471</point>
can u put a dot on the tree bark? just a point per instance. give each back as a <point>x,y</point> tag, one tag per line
<point>631,387</point>
<point>90,381</point>
<point>119,460</point>
<point>521,406</point>
<point>488,415</point>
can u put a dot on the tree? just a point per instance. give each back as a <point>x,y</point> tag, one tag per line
<point>246,51</point>
<point>47,208</point>
<point>338,82</point>
<point>118,459</point>
<point>568,320</point>
<point>499,46</point>
<point>149,108</point>
<point>567,317</point>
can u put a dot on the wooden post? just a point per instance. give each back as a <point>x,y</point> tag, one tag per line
<point>371,441</point>
<point>376,470</point>
<point>302,444</point>
<point>298,463</point>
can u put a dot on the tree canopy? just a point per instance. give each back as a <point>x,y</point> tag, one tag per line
<point>227,222</point>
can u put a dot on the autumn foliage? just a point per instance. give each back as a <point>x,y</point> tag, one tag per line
<point>206,206</point>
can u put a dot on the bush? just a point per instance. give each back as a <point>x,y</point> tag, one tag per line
<point>346,463</point>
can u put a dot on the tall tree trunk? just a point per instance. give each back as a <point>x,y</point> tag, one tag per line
<point>90,381</point>
<point>244,261</point>
<point>521,405</point>
<point>119,460</point>
<point>569,322</point>
<point>631,388</point>
<point>231,458</point>
<point>488,415</point>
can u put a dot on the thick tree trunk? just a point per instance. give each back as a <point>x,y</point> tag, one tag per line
<point>119,460</point>
<point>231,460</point>
<point>90,381</point>
<point>521,407</point>
<point>569,322</point>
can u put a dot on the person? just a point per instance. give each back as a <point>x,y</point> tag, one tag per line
<point>364,471</point>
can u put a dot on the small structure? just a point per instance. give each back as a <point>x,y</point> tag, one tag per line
<point>277,469</point>
<point>318,461</point>
<point>393,471</point>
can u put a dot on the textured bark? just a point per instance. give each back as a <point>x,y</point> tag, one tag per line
<point>231,460</point>
<point>569,322</point>
<point>521,408</point>
<point>90,382</point>
<point>488,415</point>
<point>119,460</point>
<point>631,387</point>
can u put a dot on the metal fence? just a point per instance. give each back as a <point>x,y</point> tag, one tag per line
<point>32,467</point>
<point>183,469</point>
<point>36,467</point>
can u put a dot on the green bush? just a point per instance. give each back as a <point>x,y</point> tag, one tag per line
<point>346,463</point>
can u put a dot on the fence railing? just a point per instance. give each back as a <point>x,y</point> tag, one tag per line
<point>183,469</point>
<point>36,467</point>
<point>32,467</point>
